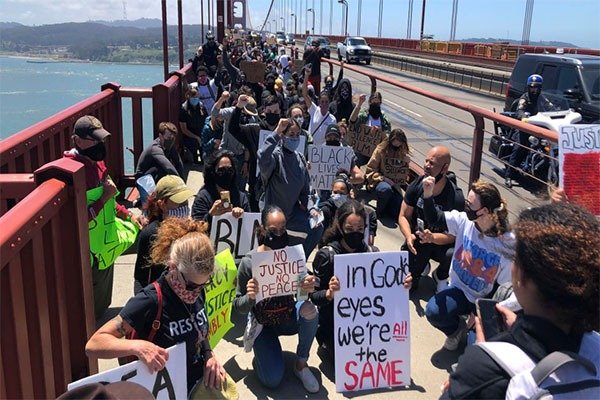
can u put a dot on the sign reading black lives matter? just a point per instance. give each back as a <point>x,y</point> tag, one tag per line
<point>239,234</point>
<point>365,139</point>
<point>325,162</point>
<point>372,322</point>
<point>278,272</point>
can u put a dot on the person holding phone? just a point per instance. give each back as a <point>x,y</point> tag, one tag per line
<point>482,255</point>
<point>220,193</point>
<point>555,278</point>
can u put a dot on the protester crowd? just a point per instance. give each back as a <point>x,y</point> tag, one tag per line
<point>220,124</point>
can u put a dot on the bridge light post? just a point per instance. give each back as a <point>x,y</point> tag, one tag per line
<point>313,18</point>
<point>295,23</point>
<point>345,3</point>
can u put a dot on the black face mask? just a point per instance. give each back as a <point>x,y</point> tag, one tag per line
<point>439,177</point>
<point>276,242</point>
<point>224,178</point>
<point>472,215</point>
<point>97,152</point>
<point>354,240</point>
<point>168,144</point>
<point>332,142</point>
<point>328,85</point>
<point>272,118</point>
<point>375,110</point>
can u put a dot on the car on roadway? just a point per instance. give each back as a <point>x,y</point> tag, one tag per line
<point>280,36</point>
<point>323,41</point>
<point>290,39</point>
<point>354,48</point>
<point>575,76</point>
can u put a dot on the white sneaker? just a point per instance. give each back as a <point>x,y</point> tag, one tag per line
<point>310,383</point>
<point>455,338</point>
<point>253,329</point>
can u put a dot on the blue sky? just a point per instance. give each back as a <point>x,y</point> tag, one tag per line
<point>575,21</point>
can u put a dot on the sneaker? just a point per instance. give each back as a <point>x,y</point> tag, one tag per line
<point>253,329</point>
<point>427,269</point>
<point>310,383</point>
<point>455,338</point>
<point>441,284</point>
<point>508,182</point>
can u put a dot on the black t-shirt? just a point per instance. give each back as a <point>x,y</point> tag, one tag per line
<point>145,271</point>
<point>176,323</point>
<point>451,198</point>
<point>194,117</point>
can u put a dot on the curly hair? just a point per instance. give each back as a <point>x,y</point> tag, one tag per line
<point>490,198</point>
<point>558,248</point>
<point>153,211</point>
<point>169,231</point>
<point>350,207</point>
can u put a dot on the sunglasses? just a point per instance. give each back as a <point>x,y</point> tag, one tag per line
<point>189,285</point>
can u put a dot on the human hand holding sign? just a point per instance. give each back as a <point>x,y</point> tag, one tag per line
<point>252,289</point>
<point>155,357</point>
<point>334,286</point>
<point>308,284</point>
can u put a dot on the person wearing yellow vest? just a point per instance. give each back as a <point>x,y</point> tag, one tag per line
<point>112,227</point>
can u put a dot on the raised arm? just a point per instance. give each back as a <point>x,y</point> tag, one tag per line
<point>357,108</point>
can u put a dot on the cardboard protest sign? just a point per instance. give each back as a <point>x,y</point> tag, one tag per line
<point>325,162</point>
<point>579,165</point>
<point>254,70</point>
<point>237,234</point>
<point>219,296</point>
<point>168,383</point>
<point>278,272</point>
<point>397,170</point>
<point>363,139</point>
<point>372,321</point>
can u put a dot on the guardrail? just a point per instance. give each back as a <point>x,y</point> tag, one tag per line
<point>480,115</point>
<point>46,310</point>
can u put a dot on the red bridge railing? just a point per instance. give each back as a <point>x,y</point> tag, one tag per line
<point>46,310</point>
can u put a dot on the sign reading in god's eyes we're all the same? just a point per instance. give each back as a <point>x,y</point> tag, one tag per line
<point>371,321</point>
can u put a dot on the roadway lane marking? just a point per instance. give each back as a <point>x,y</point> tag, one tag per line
<point>404,108</point>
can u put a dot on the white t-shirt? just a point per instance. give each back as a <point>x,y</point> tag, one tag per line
<point>208,93</point>
<point>317,126</point>
<point>478,260</point>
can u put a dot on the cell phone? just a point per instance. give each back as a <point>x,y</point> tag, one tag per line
<point>420,225</point>
<point>491,319</point>
<point>226,199</point>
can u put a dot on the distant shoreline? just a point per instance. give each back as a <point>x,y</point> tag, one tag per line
<point>53,60</point>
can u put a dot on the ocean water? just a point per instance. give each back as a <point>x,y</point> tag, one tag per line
<point>31,92</point>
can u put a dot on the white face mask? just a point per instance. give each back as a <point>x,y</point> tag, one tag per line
<point>182,211</point>
<point>338,199</point>
<point>299,121</point>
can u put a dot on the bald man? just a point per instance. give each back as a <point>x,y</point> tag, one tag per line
<point>423,242</point>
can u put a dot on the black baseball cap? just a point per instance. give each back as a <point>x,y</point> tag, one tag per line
<point>90,127</point>
<point>333,129</point>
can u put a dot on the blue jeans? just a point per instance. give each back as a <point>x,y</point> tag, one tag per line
<point>268,356</point>
<point>299,222</point>
<point>388,200</point>
<point>443,309</point>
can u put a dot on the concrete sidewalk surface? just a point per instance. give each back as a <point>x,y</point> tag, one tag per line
<point>430,363</point>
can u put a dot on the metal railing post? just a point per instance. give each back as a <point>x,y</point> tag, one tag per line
<point>477,148</point>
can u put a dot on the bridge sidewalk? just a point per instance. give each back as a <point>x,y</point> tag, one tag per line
<point>429,364</point>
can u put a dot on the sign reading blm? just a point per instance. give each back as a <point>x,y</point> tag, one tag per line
<point>371,321</point>
<point>325,162</point>
<point>239,234</point>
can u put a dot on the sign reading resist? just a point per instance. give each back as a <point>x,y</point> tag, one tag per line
<point>168,383</point>
<point>278,272</point>
<point>372,322</point>
<point>325,162</point>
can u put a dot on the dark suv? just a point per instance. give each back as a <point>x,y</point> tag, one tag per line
<point>576,76</point>
<point>324,44</point>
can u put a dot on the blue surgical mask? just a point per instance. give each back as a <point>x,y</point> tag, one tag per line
<point>338,199</point>
<point>291,143</point>
<point>194,101</point>
<point>183,211</point>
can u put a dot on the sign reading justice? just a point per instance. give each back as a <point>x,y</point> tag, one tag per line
<point>278,272</point>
